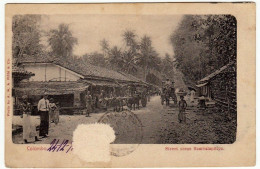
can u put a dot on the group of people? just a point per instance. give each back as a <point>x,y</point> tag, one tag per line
<point>49,112</point>
<point>102,99</point>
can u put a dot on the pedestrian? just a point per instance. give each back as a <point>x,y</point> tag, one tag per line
<point>192,95</point>
<point>182,108</point>
<point>57,113</point>
<point>29,130</point>
<point>43,108</point>
<point>148,95</point>
<point>112,95</point>
<point>128,92</point>
<point>53,107</point>
<point>168,83</point>
<point>102,100</point>
<point>88,104</point>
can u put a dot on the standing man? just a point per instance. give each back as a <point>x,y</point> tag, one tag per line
<point>43,108</point>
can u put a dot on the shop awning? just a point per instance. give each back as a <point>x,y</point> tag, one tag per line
<point>51,88</point>
<point>102,83</point>
<point>42,91</point>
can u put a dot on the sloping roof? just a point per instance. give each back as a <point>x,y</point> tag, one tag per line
<point>84,69</point>
<point>34,59</point>
<point>17,71</point>
<point>202,84</point>
<point>134,79</point>
<point>207,78</point>
<point>89,70</point>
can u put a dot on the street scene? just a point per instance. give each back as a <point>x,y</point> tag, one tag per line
<point>160,126</point>
<point>166,79</point>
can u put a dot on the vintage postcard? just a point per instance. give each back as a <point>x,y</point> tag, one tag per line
<point>130,85</point>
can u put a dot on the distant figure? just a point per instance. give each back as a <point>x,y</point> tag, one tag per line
<point>168,82</point>
<point>88,103</point>
<point>148,95</point>
<point>177,96</point>
<point>43,108</point>
<point>102,94</point>
<point>192,95</point>
<point>111,94</point>
<point>102,102</point>
<point>29,130</point>
<point>182,108</point>
<point>53,107</point>
<point>128,92</point>
<point>172,87</point>
<point>57,114</point>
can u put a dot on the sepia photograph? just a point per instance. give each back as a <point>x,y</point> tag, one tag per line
<point>155,79</point>
<point>119,85</point>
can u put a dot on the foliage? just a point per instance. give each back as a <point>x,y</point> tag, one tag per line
<point>148,58</point>
<point>115,58</point>
<point>203,44</point>
<point>137,57</point>
<point>26,35</point>
<point>105,47</point>
<point>134,57</point>
<point>62,41</point>
<point>95,58</point>
<point>167,65</point>
<point>131,52</point>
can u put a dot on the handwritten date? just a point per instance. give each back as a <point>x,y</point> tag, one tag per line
<point>56,146</point>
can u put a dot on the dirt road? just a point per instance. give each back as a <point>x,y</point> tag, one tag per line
<point>160,126</point>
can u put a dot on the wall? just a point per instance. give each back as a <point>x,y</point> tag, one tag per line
<point>223,88</point>
<point>53,72</point>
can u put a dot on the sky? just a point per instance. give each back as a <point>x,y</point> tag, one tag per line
<point>91,29</point>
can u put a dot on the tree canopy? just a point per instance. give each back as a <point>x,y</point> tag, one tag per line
<point>26,35</point>
<point>62,41</point>
<point>136,55</point>
<point>204,43</point>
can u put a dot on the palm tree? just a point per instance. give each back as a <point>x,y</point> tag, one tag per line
<point>131,54</point>
<point>62,41</point>
<point>148,58</point>
<point>115,59</point>
<point>105,47</point>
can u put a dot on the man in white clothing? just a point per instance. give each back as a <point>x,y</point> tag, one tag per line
<point>43,108</point>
